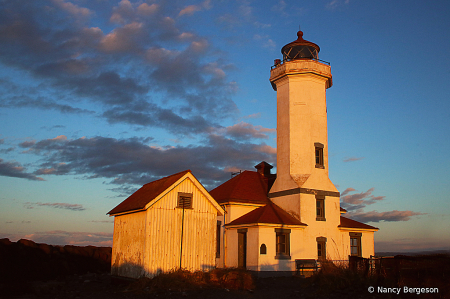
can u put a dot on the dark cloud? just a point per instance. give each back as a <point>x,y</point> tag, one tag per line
<point>16,170</point>
<point>390,216</point>
<point>134,161</point>
<point>54,42</point>
<point>26,101</point>
<point>56,205</point>
<point>7,150</point>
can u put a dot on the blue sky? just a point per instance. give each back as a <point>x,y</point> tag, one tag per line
<point>99,97</point>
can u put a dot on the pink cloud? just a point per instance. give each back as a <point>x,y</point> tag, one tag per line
<point>390,216</point>
<point>60,237</point>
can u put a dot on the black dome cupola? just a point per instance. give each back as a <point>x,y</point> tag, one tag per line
<point>300,49</point>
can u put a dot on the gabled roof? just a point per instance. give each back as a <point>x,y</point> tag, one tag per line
<point>247,187</point>
<point>349,223</point>
<point>139,199</point>
<point>270,213</point>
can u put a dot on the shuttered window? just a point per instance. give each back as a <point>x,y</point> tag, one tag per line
<point>184,200</point>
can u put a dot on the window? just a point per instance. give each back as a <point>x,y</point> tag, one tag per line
<point>355,244</point>
<point>263,249</point>
<point>282,243</point>
<point>319,155</point>
<point>184,200</point>
<point>321,248</point>
<point>320,208</point>
<point>219,225</point>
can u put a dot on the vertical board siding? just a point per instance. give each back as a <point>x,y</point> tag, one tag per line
<point>163,240</point>
<point>128,245</point>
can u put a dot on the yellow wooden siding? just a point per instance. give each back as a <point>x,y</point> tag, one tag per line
<point>163,240</point>
<point>128,245</point>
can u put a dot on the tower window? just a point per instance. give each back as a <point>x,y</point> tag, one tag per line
<point>184,200</point>
<point>321,248</point>
<point>319,155</point>
<point>320,208</point>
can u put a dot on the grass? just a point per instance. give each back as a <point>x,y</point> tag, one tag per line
<point>183,280</point>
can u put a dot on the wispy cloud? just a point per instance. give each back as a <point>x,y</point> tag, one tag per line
<point>336,3</point>
<point>390,216</point>
<point>352,159</point>
<point>355,204</point>
<point>56,205</point>
<point>60,237</point>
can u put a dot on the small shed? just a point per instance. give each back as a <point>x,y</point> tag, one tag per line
<point>167,224</point>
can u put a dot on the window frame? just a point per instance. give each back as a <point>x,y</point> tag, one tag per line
<point>218,228</point>
<point>318,155</point>
<point>181,201</point>
<point>286,253</point>
<point>320,208</point>
<point>322,241</point>
<point>357,246</point>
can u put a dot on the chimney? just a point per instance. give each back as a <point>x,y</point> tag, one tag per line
<point>264,168</point>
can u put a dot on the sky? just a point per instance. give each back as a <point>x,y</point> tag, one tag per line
<point>99,97</point>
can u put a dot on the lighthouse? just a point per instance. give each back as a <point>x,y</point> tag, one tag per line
<point>302,186</point>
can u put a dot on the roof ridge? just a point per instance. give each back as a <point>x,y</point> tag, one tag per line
<point>166,177</point>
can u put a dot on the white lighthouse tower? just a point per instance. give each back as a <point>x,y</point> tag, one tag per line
<point>302,186</point>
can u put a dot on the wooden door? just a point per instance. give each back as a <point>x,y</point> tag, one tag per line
<point>242,249</point>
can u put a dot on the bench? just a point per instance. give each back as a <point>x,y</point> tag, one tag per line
<point>309,264</point>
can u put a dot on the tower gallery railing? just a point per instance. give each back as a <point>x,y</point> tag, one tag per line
<point>279,62</point>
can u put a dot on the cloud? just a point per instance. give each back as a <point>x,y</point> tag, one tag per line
<point>72,8</point>
<point>245,131</point>
<point>133,161</point>
<point>16,170</point>
<point>359,200</point>
<point>355,204</point>
<point>411,244</point>
<point>336,3</point>
<point>352,159</point>
<point>56,205</point>
<point>74,63</point>
<point>102,221</point>
<point>147,10</point>
<point>346,191</point>
<point>191,9</point>
<point>60,237</point>
<point>390,216</point>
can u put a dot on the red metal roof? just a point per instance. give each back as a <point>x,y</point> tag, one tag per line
<point>139,199</point>
<point>247,187</point>
<point>270,213</point>
<point>349,223</point>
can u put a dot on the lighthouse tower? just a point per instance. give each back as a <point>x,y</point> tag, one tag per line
<point>302,186</point>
